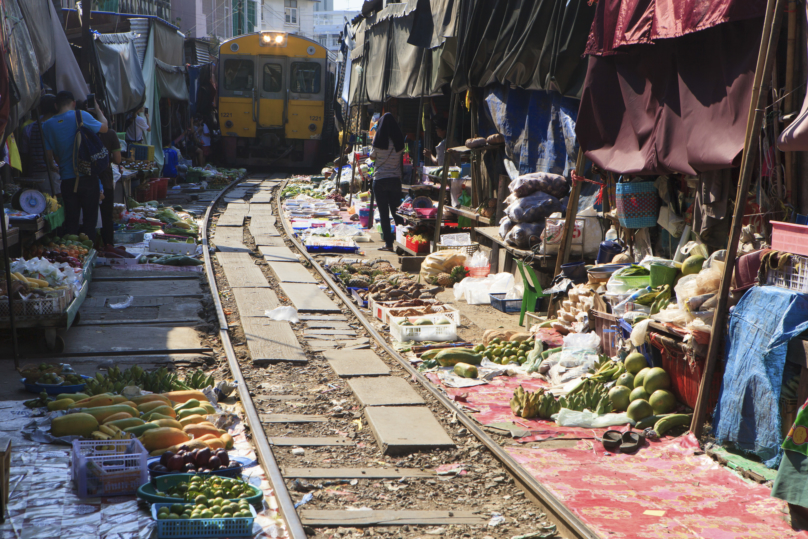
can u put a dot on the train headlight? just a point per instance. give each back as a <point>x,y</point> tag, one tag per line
<point>228,123</point>
<point>312,127</point>
<point>273,39</point>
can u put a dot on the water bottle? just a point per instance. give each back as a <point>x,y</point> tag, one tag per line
<point>611,234</point>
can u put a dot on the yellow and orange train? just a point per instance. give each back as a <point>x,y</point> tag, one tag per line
<point>275,99</point>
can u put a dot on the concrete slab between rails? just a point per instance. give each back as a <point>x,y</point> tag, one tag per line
<point>293,418</point>
<point>355,473</point>
<point>367,517</point>
<point>384,391</point>
<point>253,302</point>
<point>231,218</point>
<point>350,363</point>
<point>406,429</point>
<point>277,254</point>
<point>288,272</point>
<point>310,442</point>
<point>308,298</point>
<point>271,341</point>
<point>99,339</point>
<point>242,272</point>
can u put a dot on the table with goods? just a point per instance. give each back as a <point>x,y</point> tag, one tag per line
<point>168,440</point>
<point>49,285</point>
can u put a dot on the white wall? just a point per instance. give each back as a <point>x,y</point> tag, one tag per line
<point>274,17</point>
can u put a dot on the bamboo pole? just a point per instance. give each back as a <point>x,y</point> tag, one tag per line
<point>768,47</point>
<point>572,212</point>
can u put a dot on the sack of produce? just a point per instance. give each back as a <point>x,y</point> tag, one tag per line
<point>552,184</point>
<point>440,262</point>
<point>495,139</point>
<point>525,235</point>
<point>505,226</point>
<point>478,142</point>
<point>533,208</point>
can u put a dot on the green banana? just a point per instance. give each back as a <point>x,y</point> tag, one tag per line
<point>669,421</point>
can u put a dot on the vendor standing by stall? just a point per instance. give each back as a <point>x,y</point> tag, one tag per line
<point>137,126</point>
<point>437,158</point>
<point>388,153</point>
<point>112,143</point>
<point>78,193</point>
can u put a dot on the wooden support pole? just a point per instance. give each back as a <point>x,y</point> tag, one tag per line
<point>788,101</point>
<point>768,46</point>
<point>572,212</point>
<point>445,173</point>
<point>86,41</point>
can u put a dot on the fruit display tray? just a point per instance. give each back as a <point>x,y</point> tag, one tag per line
<point>148,491</point>
<point>202,527</point>
<point>52,389</point>
<point>235,471</point>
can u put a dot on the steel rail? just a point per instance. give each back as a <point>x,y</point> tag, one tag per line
<point>259,437</point>
<point>558,513</point>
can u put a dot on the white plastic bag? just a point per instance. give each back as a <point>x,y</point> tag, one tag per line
<point>475,290</point>
<point>516,292</point>
<point>285,314</point>
<point>639,332</point>
<point>582,341</point>
<point>589,420</point>
<point>479,260</point>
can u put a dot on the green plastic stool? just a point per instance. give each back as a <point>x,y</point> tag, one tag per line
<point>533,291</point>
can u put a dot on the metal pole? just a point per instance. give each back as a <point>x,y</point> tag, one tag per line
<point>768,47</point>
<point>7,265</point>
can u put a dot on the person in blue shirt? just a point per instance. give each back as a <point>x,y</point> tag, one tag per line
<point>79,194</point>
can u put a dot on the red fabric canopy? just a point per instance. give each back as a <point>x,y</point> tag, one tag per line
<point>679,105</point>
<point>630,22</point>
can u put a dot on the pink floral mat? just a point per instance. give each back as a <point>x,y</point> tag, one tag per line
<point>663,491</point>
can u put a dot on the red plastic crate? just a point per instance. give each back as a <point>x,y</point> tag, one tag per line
<point>162,188</point>
<point>790,238</point>
<point>422,247</point>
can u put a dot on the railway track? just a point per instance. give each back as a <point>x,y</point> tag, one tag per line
<point>320,435</point>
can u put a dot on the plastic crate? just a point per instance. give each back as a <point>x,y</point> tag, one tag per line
<point>51,306</point>
<point>434,332</point>
<point>422,247</point>
<point>202,527</point>
<point>790,238</point>
<point>136,236</point>
<point>381,310</point>
<point>141,152</point>
<point>480,272</point>
<point>119,471</point>
<point>401,234</point>
<point>173,248</point>
<point>161,188</point>
<point>499,303</point>
<point>794,276</point>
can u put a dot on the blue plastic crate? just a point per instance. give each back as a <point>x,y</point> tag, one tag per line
<point>201,527</point>
<point>499,303</point>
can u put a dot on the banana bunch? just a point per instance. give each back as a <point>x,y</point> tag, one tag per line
<point>199,380</point>
<point>662,300</point>
<point>525,404</point>
<point>672,420</point>
<point>52,203</point>
<point>607,371</point>
<point>593,396</point>
<point>548,405</point>
<point>157,381</point>
<point>650,297</point>
<point>110,432</point>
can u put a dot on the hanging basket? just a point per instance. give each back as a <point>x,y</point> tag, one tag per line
<point>637,204</point>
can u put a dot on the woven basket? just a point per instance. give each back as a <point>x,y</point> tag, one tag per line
<point>637,204</point>
<point>468,249</point>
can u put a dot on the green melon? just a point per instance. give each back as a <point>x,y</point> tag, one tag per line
<point>640,376</point>
<point>619,395</point>
<point>663,402</point>
<point>626,379</point>
<point>692,265</point>
<point>635,362</point>
<point>656,379</point>
<point>639,409</point>
<point>639,393</point>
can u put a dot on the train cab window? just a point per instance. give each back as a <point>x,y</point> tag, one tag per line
<point>273,78</point>
<point>238,75</point>
<point>305,77</point>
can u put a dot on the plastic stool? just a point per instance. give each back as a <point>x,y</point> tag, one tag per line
<point>533,290</point>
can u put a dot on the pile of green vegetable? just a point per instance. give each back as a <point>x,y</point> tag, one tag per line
<point>157,381</point>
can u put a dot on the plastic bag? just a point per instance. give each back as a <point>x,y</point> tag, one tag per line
<point>525,235</point>
<point>475,290</point>
<point>505,226</point>
<point>671,315</point>
<point>708,280</point>
<point>533,208</point>
<point>479,260</point>
<point>590,420</point>
<point>451,240</point>
<point>648,260</point>
<point>284,313</point>
<point>582,341</point>
<point>552,184</point>
<point>639,332</point>
<point>516,292</point>
<point>686,288</point>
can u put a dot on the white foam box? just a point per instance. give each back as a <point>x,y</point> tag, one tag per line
<point>171,248</point>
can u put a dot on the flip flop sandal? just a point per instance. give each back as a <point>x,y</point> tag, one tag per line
<point>631,442</point>
<point>612,440</point>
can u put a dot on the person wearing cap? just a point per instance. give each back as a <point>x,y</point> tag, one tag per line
<point>80,194</point>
